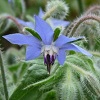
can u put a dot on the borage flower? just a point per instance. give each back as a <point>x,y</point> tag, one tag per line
<point>52,21</point>
<point>46,45</point>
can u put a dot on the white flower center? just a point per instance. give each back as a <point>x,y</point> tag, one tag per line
<point>49,52</point>
<point>49,49</point>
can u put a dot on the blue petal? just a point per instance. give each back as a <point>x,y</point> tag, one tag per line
<point>76,48</point>
<point>41,13</point>
<point>61,56</point>
<point>32,52</point>
<point>44,30</point>
<point>57,22</point>
<point>63,40</point>
<point>21,39</point>
<point>26,24</point>
<point>9,1</point>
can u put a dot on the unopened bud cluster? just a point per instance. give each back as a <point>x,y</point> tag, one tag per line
<point>61,8</point>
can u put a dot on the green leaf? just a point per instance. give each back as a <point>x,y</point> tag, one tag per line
<point>65,82</point>
<point>43,83</point>
<point>51,95</point>
<point>35,34</point>
<point>56,33</point>
<point>35,73</point>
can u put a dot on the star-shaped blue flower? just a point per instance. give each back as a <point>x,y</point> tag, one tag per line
<point>50,49</point>
<point>52,21</point>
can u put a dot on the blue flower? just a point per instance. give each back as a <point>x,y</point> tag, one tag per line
<point>25,23</point>
<point>50,49</point>
<point>9,1</point>
<point>52,21</point>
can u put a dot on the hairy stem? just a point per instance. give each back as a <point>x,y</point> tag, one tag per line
<point>15,21</point>
<point>78,69</point>
<point>91,78</point>
<point>48,14</point>
<point>69,28</point>
<point>92,9</point>
<point>3,78</point>
<point>80,21</point>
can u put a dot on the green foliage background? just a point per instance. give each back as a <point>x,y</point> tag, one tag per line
<point>78,78</point>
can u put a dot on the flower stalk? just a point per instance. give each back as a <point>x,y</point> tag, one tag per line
<point>80,21</point>
<point>16,22</point>
<point>48,13</point>
<point>78,69</point>
<point>92,9</point>
<point>93,81</point>
<point>3,78</point>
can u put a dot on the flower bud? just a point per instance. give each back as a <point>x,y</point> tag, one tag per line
<point>61,9</point>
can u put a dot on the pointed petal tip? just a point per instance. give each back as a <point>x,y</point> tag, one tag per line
<point>6,37</point>
<point>77,49</point>
<point>3,36</point>
<point>21,39</point>
<point>89,54</point>
<point>41,13</point>
<point>36,16</point>
<point>61,63</point>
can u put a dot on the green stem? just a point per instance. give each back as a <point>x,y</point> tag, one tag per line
<point>80,4</point>
<point>16,22</point>
<point>93,9</point>
<point>48,14</point>
<point>80,21</point>
<point>78,69</point>
<point>3,78</point>
<point>91,78</point>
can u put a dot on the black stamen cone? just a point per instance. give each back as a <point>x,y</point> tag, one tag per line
<point>48,63</point>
